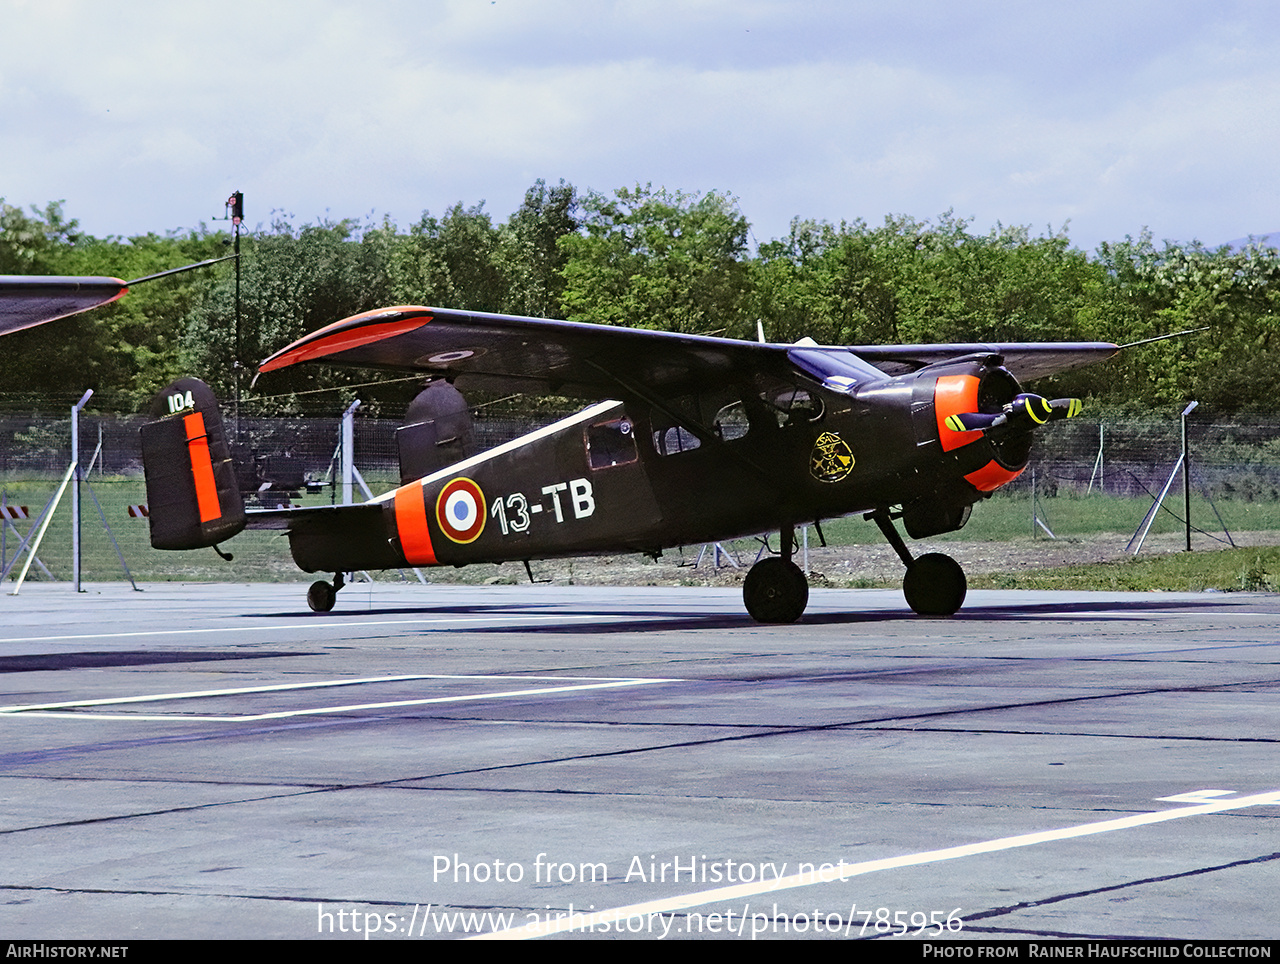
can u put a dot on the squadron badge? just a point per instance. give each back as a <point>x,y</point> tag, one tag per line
<point>830,460</point>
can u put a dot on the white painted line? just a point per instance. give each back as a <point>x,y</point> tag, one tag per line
<point>1196,796</point>
<point>569,684</point>
<point>313,623</point>
<point>843,871</point>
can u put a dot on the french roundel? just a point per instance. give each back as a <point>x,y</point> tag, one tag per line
<point>460,510</point>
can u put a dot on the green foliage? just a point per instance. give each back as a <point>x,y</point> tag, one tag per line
<point>124,351</point>
<point>33,245</point>
<point>292,281</point>
<point>659,259</point>
<point>1236,294</point>
<point>464,261</point>
<point>529,249</point>
<point>1250,570</point>
<point>912,281</point>
<point>451,262</point>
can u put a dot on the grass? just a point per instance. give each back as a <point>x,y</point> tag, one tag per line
<point>1007,517</point>
<point>1251,570</point>
<point>262,556</point>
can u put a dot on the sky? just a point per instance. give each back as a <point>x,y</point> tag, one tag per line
<point>1103,116</point>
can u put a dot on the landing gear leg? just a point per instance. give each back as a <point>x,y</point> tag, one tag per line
<point>775,590</point>
<point>934,584</point>
<point>322,595</point>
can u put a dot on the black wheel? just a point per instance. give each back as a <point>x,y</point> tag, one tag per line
<point>321,596</point>
<point>935,585</point>
<point>775,591</point>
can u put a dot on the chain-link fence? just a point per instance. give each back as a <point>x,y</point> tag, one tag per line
<point>1086,477</point>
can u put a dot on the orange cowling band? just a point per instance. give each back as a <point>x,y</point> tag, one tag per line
<point>952,395</point>
<point>991,476</point>
<point>955,395</point>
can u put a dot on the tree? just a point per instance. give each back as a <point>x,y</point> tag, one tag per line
<point>659,259</point>
<point>293,281</point>
<point>530,252</point>
<point>451,262</point>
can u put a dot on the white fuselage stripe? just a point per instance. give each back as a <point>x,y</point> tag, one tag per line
<point>457,468</point>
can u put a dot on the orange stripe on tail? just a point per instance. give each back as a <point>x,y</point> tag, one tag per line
<point>202,468</point>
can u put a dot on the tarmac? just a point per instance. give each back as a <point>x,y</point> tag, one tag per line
<point>215,761</point>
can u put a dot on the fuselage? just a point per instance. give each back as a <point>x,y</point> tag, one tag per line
<point>639,476</point>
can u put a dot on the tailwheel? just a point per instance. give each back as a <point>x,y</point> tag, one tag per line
<point>775,591</point>
<point>322,595</point>
<point>935,585</point>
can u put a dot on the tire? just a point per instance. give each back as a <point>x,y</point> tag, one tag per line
<point>935,585</point>
<point>321,596</point>
<point>775,591</point>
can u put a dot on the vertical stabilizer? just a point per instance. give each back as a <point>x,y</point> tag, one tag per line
<point>191,482</point>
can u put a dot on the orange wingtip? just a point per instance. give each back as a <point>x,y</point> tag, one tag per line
<point>362,329</point>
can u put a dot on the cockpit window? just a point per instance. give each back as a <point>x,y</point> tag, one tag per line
<point>611,443</point>
<point>731,422</point>
<point>793,404</point>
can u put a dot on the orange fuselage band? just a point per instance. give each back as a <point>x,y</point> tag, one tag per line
<point>411,525</point>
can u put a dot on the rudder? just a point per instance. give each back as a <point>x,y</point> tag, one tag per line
<point>191,482</point>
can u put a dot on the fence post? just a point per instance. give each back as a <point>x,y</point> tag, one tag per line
<point>75,489</point>
<point>1186,473</point>
<point>348,451</point>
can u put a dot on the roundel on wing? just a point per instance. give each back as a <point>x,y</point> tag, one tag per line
<point>460,510</point>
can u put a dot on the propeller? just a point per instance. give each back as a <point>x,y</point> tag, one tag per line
<point>1025,411</point>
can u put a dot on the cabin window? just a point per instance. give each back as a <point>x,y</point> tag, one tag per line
<point>673,439</point>
<point>722,413</point>
<point>611,443</point>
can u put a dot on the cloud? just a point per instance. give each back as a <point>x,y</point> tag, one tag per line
<point>1112,116</point>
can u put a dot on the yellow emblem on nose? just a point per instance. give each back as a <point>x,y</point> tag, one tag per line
<point>831,459</point>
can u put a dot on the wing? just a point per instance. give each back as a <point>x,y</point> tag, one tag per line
<point>510,353</point>
<point>1027,360</point>
<point>28,300</point>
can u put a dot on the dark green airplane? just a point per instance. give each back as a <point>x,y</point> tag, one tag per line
<point>702,440</point>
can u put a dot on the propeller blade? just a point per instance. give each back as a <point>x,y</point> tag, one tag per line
<point>1025,411</point>
<point>973,421</point>
<point>1066,407</point>
<point>1036,409</point>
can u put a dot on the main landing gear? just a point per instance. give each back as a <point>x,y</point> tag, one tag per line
<point>322,595</point>
<point>775,590</point>
<point>934,584</point>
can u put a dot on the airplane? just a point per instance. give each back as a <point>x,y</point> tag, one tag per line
<point>27,300</point>
<point>30,300</point>
<point>688,439</point>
